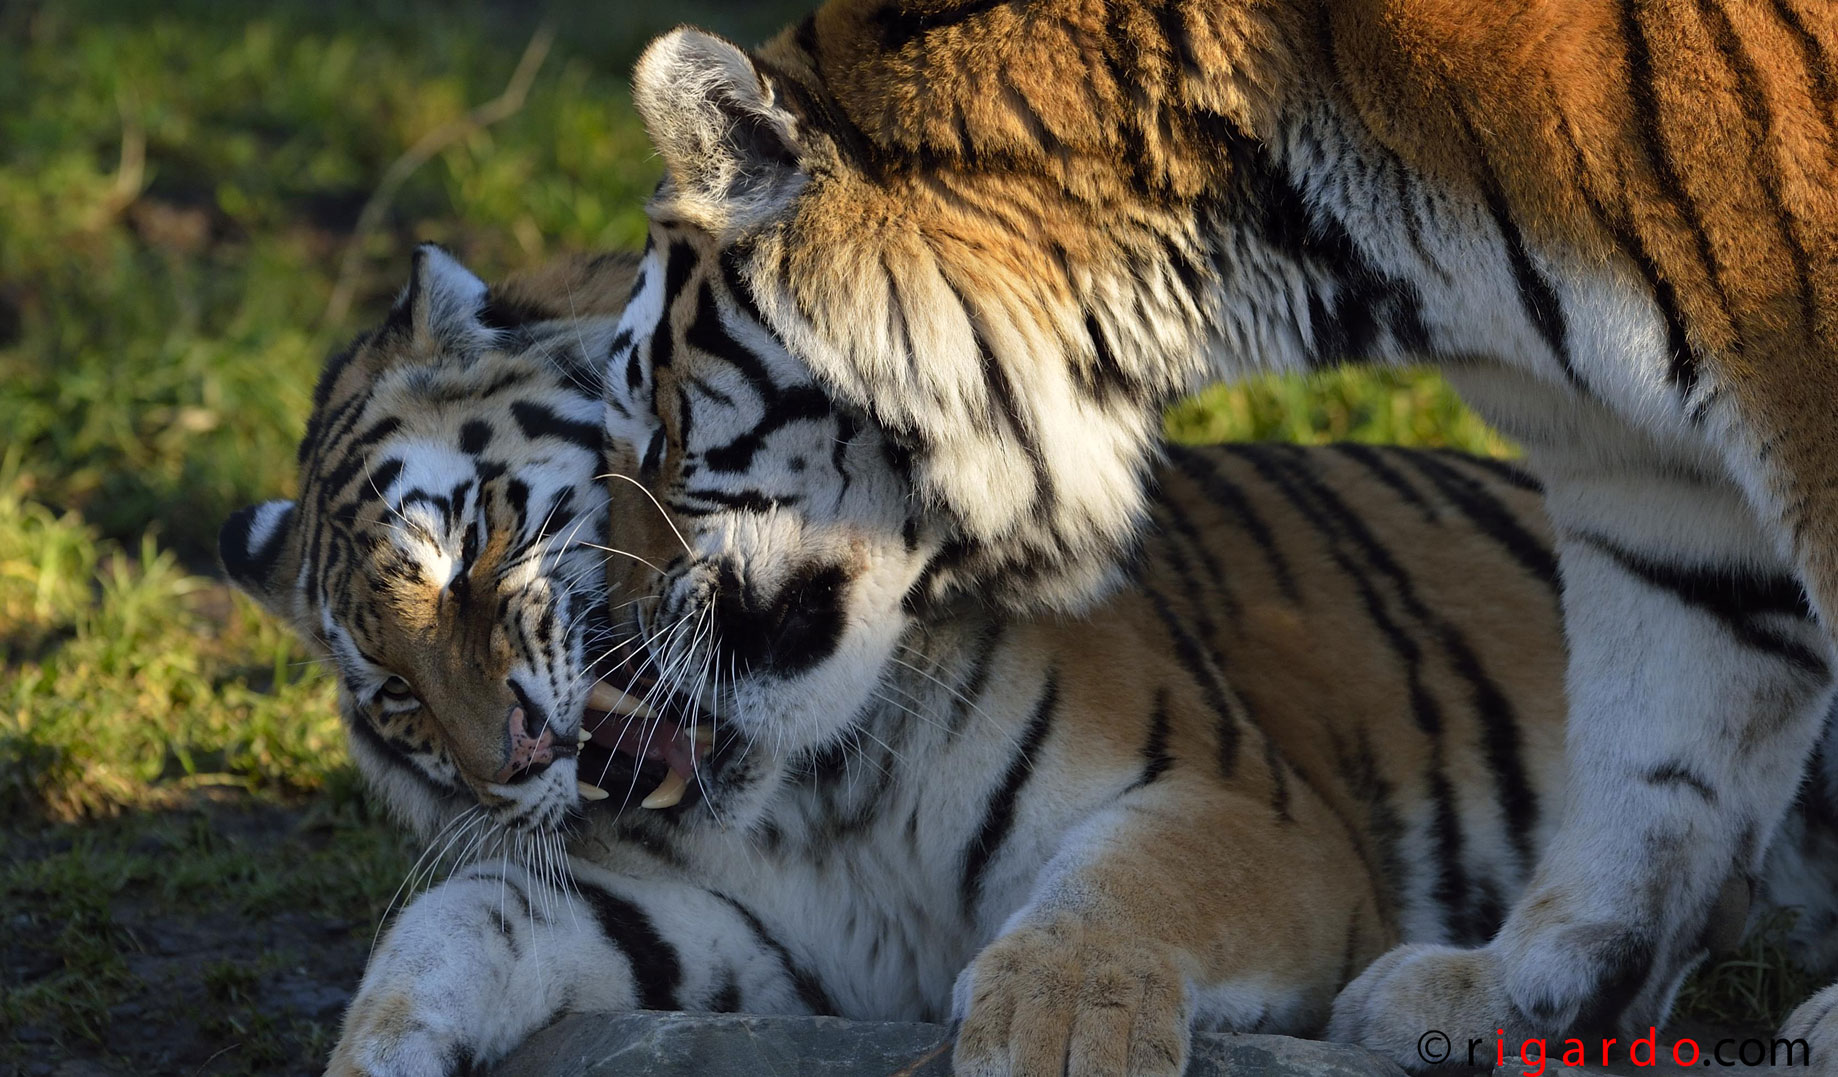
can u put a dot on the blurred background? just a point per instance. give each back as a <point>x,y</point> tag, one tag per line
<point>199,202</point>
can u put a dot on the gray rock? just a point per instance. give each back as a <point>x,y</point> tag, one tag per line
<point>744,1045</point>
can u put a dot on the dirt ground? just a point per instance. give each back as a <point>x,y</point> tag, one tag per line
<point>221,937</point>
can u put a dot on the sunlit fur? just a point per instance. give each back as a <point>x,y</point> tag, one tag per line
<point>1010,232</point>
<point>446,549</point>
<point>1322,716</point>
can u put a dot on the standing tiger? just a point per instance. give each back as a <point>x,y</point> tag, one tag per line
<point>1011,230</point>
<point>1322,715</point>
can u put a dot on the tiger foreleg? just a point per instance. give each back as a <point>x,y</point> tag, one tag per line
<point>475,965</point>
<point>1137,932</point>
<point>1696,686</point>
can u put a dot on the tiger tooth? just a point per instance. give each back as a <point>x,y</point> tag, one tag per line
<point>668,792</point>
<point>604,697</point>
<point>589,791</point>
<point>704,736</point>
<point>583,735</point>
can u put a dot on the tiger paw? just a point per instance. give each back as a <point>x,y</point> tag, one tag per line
<point>1422,1006</point>
<point>1816,1022</point>
<point>1067,998</point>
<point>386,1034</point>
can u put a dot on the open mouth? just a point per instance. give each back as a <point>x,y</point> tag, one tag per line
<point>632,730</point>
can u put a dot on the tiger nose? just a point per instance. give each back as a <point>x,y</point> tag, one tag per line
<point>793,630</point>
<point>527,755</point>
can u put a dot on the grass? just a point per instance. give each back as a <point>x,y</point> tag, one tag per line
<point>179,183</point>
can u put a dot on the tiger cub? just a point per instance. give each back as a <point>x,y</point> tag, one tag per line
<point>1323,716</point>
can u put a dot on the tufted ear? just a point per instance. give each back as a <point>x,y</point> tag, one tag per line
<point>731,149</point>
<point>443,304</point>
<point>260,548</point>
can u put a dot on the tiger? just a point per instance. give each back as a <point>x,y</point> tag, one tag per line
<point>1323,713</point>
<point>1011,231</point>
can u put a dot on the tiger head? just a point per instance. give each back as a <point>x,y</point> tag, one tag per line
<point>445,547</point>
<point>936,291</point>
<point>551,568</point>
<point>776,551</point>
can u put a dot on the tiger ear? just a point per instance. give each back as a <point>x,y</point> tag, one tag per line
<point>731,149</point>
<point>260,547</point>
<point>444,303</point>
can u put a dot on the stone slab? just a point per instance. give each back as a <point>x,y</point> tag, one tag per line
<point>746,1045</point>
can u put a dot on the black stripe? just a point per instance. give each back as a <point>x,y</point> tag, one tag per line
<point>1171,510</point>
<point>1188,584</point>
<point>1369,458</point>
<point>800,404</point>
<point>726,998</point>
<point>1107,377</point>
<point>1819,66</point>
<point>1489,516</point>
<point>734,282</point>
<point>1154,751</point>
<point>1452,889</point>
<point>1365,299</point>
<point>708,334</point>
<point>1659,155</point>
<point>474,436</point>
<point>384,476</point>
<point>1222,491</point>
<point>1504,470</point>
<point>1681,357</point>
<point>899,26</point>
<point>1499,722</point>
<point>1754,100</point>
<point>676,273</point>
<point>656,968</point>
<point>1358,768</point>
<point>1202,666</point>
<point>1676,772</point>
<point>1730,595</point>
<point>1279,781</point>
<point>803,980</point>
<point>620,342</point>
<point>398,752</point>
<point>1413,225</point>
<point>1168,18</point>
<point>744,501</point>
<point>354,460</point>
<point>999,813</point>
<point>982,660</point>
<point>539,421</point>
<point>243,562</point>
<point>1536,294</point>
<point>702,385</point>
<point>508,380</point>
<point>1002,395</point>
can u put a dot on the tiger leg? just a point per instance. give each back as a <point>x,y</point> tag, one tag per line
<point>1696,683</point>
<point>1138,931</point>
<point>475,965</point>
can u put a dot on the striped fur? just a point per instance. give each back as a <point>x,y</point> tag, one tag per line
<point>1010,231</point>
<point>1322,715</point>
<point>445,547</point>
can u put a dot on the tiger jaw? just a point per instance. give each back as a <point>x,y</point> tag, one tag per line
<point>620,724</point>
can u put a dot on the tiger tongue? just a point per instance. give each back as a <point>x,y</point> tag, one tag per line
<point>657,738</point>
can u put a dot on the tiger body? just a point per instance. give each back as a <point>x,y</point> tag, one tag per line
<point>1010,232</point>
<point>1323,715</point>
<point>1206,802</point>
